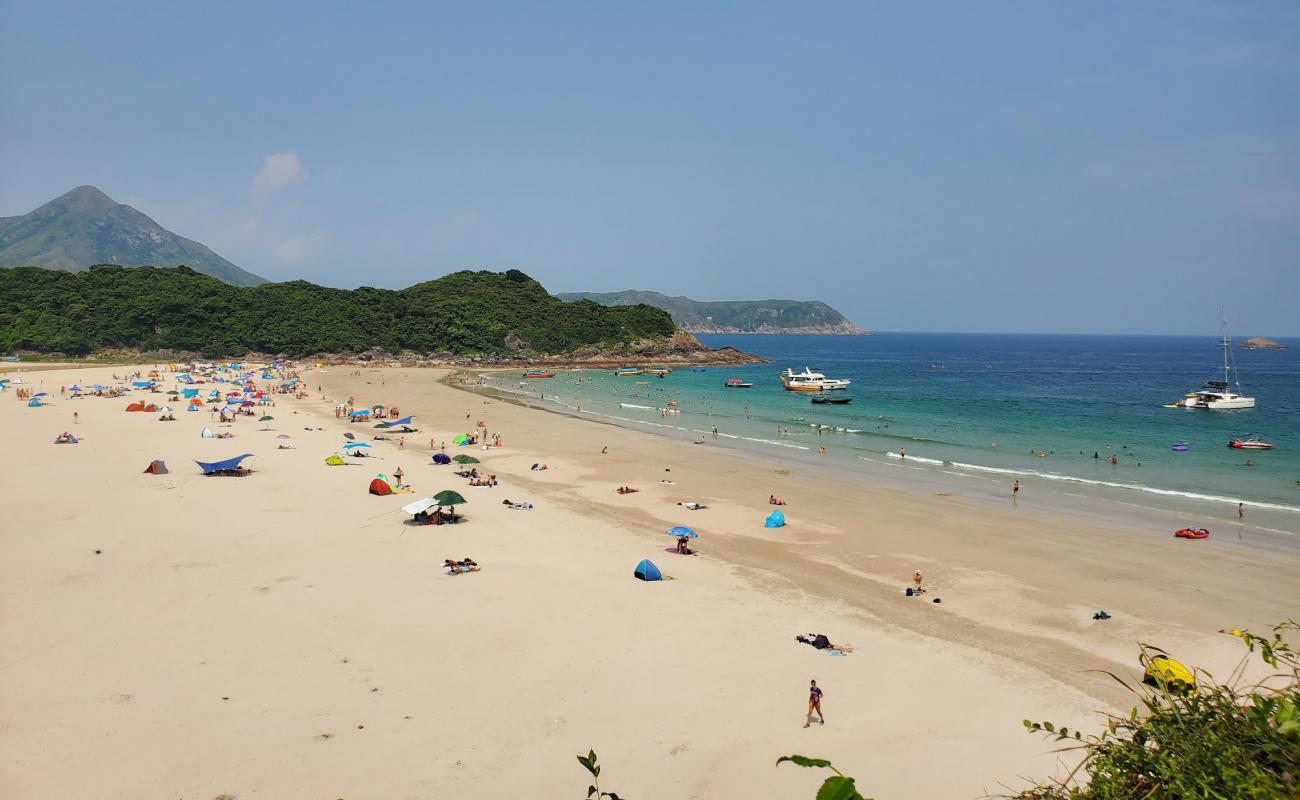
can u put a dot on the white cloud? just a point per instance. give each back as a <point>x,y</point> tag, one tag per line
<point>278,170</point>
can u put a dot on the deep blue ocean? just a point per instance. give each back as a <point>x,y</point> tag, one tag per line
<point>987,406</point>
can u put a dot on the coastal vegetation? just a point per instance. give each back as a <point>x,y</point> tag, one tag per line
<point>110,307</point>
<point>732,316</point>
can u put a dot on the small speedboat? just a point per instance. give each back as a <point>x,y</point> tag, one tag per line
<point>835,401</point>
<point>1250,442</point>
<point>737,383</point>
<point>538,373</point>
<point>1192,533</point>
<point>1181,447</point>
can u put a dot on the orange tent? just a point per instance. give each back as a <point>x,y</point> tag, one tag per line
<point>194,401</point>
<point>135,407</point>
<point>151,408</point>
<point>377,486</point>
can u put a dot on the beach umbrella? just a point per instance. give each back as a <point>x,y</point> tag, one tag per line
<point>41,394</point>
<point>464,459</point>
<point>681,531</point>
<point>174,393</point>
<point>283,436</point>
<point>266,418</point>
<point>349,436</point>
<point>441,458</point>
<point>449,497</point>
<point>74,387</point>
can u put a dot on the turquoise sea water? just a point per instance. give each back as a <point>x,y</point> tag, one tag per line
<point>950,397</point>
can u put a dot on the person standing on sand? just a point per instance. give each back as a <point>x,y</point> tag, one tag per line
<point>1241,510</point>
<point>397,473</point>
<point>902,453</point>
<point>75,418</point>
<point>814,704</point>
<point>1015,489</point>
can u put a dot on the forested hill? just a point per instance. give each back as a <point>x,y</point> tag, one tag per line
<point>85,226</point>
<point>732,316</point>
<point>176,308</point>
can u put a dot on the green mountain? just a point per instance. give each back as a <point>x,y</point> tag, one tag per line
<point>149,308</point>
<point>732,316</point>
<point>85,227</point>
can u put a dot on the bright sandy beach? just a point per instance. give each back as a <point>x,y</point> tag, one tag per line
<point>285,634</point>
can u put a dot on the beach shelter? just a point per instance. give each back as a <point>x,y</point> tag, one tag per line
<point>682,532</point>
<point>142,384</point>
<point>156,467</point>
<point>35,402</point>
<point>380,487</point>
<point>219,467</point>
<point>208,434</point>
<point>462,439</point>
<point>335,460</point>
<point>361,413</point>
<point>41,394</point>
<point>419,505</point>
<point>647,571</point>
<point>135,407</point>
<point>189,393</point>
<point>441,458</point>
<point>464,459</point>
<point>774,520</point>
<point>355,445</point>
<point>151,408</point>
<point>402,421</point>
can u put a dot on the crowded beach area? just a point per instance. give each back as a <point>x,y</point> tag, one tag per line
<point>234,580</point>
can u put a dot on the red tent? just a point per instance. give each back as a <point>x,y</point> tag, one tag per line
<point>135,407</point>
<point>156,467</point>
<point>151,408</point>
<point>377,486</point>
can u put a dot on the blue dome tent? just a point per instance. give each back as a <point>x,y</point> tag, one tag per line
<point>647,571</point>
<point>774,520</point>
<point>441,458</point>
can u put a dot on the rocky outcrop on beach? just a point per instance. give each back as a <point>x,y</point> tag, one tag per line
<point>1260,343</point>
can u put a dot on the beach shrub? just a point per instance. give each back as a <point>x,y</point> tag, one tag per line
<point>589,763</point>
<point>1222,740</point>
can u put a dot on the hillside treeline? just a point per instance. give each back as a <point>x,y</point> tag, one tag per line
<point>179,309</point>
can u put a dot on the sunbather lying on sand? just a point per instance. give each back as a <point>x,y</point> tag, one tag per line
<point>460,567</point>
<point>691,505</point>
<point>820,641</point>
<point>775,501</point>
<point>626,490</point>
<point>539,467</point>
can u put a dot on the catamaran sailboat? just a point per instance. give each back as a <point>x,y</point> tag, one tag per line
<point>1218,395</point>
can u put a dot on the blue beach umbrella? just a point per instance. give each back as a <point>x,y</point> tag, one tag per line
<point>41,394</point>
<point>681,531</point>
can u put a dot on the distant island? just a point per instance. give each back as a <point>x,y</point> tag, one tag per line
<point>86,227</point>
<point>1260,343</point>
<point>732,316</point>
<point>476,316</point>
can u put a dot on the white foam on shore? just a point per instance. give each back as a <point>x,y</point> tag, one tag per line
<point>1055,476</point>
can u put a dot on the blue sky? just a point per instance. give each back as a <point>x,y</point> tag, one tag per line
<point>1072,167</point>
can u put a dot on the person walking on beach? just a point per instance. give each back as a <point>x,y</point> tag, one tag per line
<point>1015,489</point>
<point>902,453</point>
<point>814,705</point>
<point>1241,510</point>
<point>75,418</point>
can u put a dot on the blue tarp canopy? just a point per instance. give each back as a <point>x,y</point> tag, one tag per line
<point>441,458</point>
<point>365,412</point>
<point>682,531</point>
<point>354,445</point>
<point>142,384</point>
<point>220,466</point>
<point>402,421</point>
<point>647,571</point>
<point>774,520</point>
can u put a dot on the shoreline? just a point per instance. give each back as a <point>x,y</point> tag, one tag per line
<point>1072,495</point>
<point>222,628</point>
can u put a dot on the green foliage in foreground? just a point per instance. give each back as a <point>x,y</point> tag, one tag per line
<point>179,309</point>
<point>1221,741</point>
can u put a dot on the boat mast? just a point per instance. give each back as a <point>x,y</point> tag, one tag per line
<point>1223,336</point>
